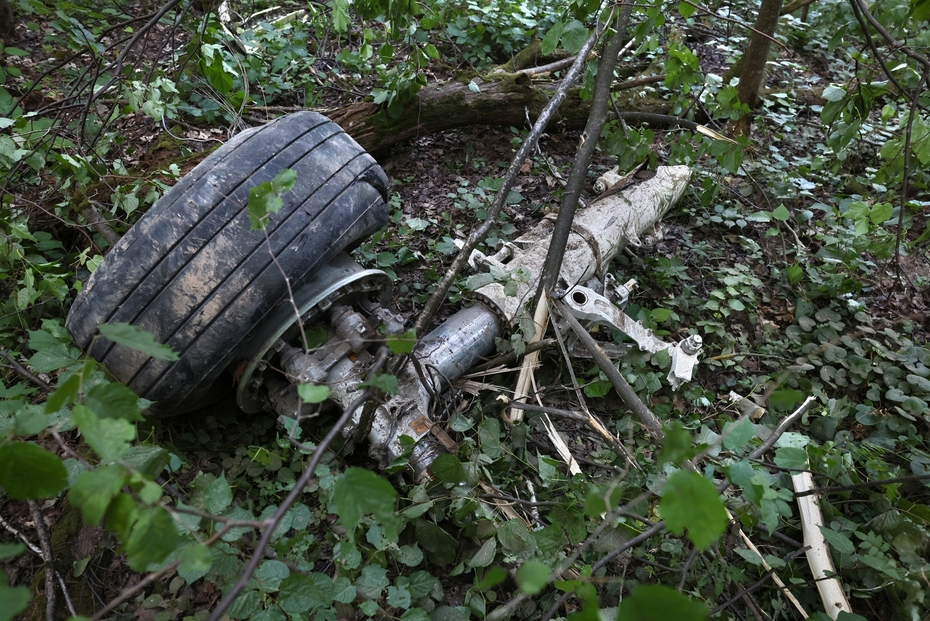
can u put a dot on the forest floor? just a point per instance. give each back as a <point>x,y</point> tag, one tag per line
<point>720,249</point>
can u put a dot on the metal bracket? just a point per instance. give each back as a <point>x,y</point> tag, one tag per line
<point>588,305</point>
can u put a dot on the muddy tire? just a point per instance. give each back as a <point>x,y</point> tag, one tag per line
<point>193,273</point>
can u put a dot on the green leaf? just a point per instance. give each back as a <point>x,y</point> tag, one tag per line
<point>263,201</point>
<point>145,459</point>
<point>785,400</point>
<point>341,19</point>
<point>492,578</point>
<point>93,491</point>
<point>574,36</point>
<point>485,554</point>
<point>448,469</point>
<point>270,574</point>
<point>660,314</point>
<point>113,401</point>
<point>600,499</point>
<point>834,93</point>
<point>13,600</point>
<point>372,582</point>
<point>791,457</point>
<point>153,538</point>
<point>689,501</point>
<point>11,550</point>
<point>795,273</point>
<point>29,471</point>
<point>597,389</point>
<point>654,602</point>
<point>516,539</point>
<point>781,213</point>
<point>920,10</point>
<point>677,445</point>
<point>532,577</point>
<point>477,281</point>
<point>284,180</point>
<point>398,597</point>
<point>489,436</point>
<point>265,198</point>
<point>64,394</point>
<point>880,212</point>
<point>299,594</point>
<point>402,343</point>
<point>361,492</point>
<point>246,605</point>
<point>551,40</point>
<point>737,435</point>
<point>195,561</point>
<point>272,613</point>
<point>217,495</point>
<point>50,353</point>
<point>685,9</point>
<point>109,437</point>
<point>137,339</point>
<point>343,590</point>
<point>384,382</point>
<point>313,393</point>
<point>838,541</point>
<point>437,541</point>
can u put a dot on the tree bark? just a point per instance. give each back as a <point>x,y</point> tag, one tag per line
<point>752,76</point>
<point>7,23</point>
<point>500,99</point>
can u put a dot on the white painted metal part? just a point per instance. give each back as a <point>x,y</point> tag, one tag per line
<point>588,305</point>
<point>600,231</point>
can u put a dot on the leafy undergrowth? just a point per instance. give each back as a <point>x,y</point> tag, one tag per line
<point>784,256</point>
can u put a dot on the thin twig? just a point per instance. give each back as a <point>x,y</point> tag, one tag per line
<point>117,65</point>
<point>231,522</point>
<point>510,356</point>
<point>38,552</point>
<point>888,37</point>
<point>42,530</point>
<point>770,441</point>
<point>685,568</point>
<point>754,586</point>
<point>24,372</point>
<point>541,409</point>
<point>19,535</point>
<point>127,593</point>
<point>905,185</point>
<point>647,534</point>
<point>623,388</point>
<point>549,68</point>
<point>151,578</point>
<point>851,486</point>
<point>717,15</point>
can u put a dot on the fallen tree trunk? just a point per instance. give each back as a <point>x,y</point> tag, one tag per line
<point>503,99</point>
